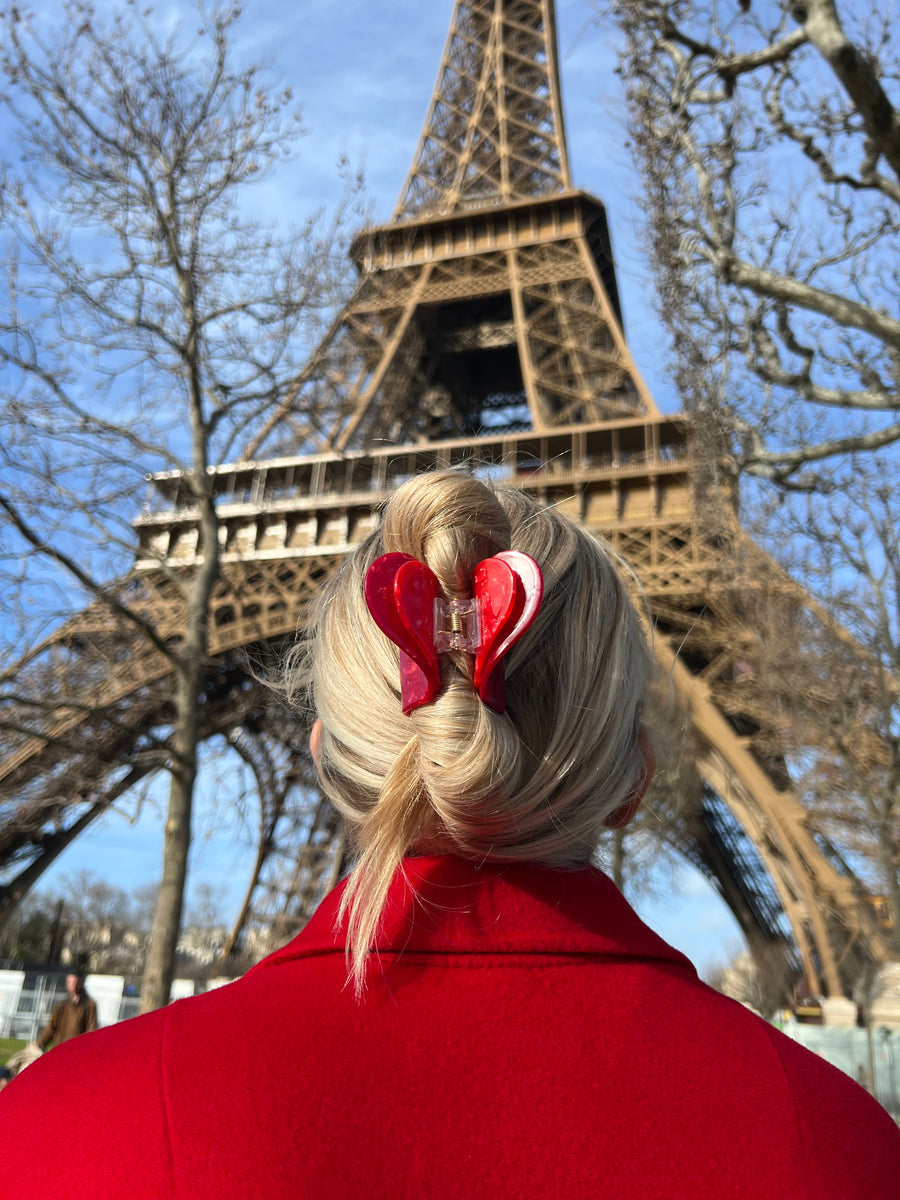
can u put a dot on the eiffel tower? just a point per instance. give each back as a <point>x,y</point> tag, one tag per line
<point>485,332</point>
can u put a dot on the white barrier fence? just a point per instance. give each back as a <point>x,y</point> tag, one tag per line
<point>25,1010</point>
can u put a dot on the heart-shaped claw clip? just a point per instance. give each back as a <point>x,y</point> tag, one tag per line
<point>400,593</point>
<point>509,588</point>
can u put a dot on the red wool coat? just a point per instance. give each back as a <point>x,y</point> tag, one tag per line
<point>525,1036</point>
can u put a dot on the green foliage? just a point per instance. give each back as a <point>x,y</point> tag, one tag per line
<point>8,1047</point>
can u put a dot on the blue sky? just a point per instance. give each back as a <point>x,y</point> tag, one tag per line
<point>363,74</point>
<point>125,848</point>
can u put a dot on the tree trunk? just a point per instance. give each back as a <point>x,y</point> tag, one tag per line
<point>159,972</point>
<point>889,868</point>
<point>156,985</point>
<point>619,858</point>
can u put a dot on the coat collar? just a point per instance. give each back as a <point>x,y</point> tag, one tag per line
<point>448,905</point>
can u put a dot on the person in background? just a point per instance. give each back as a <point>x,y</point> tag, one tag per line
<point>475,1012</point>
<point>76,1013</point>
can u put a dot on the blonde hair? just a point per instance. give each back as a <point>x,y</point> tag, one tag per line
<point>534,783</point>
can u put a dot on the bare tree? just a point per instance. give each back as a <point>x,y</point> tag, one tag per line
<point>102,928</point>
<point>633,855</point>
<point>768,139</point>
<point>846,733</point>
<point>30,935</point>
<point>147,322</point>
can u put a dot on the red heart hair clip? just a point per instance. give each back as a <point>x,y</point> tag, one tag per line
<point>407,604</point>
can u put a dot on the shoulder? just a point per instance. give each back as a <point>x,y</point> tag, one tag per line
<point>779,1107</point>
<point>113,1073</point>
<point>851,1143</point>
<point>169,1092</point>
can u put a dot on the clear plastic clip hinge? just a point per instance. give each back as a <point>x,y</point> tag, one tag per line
<point>457,625</point>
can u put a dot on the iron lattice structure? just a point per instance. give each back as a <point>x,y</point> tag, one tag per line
<point>485,331</point>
